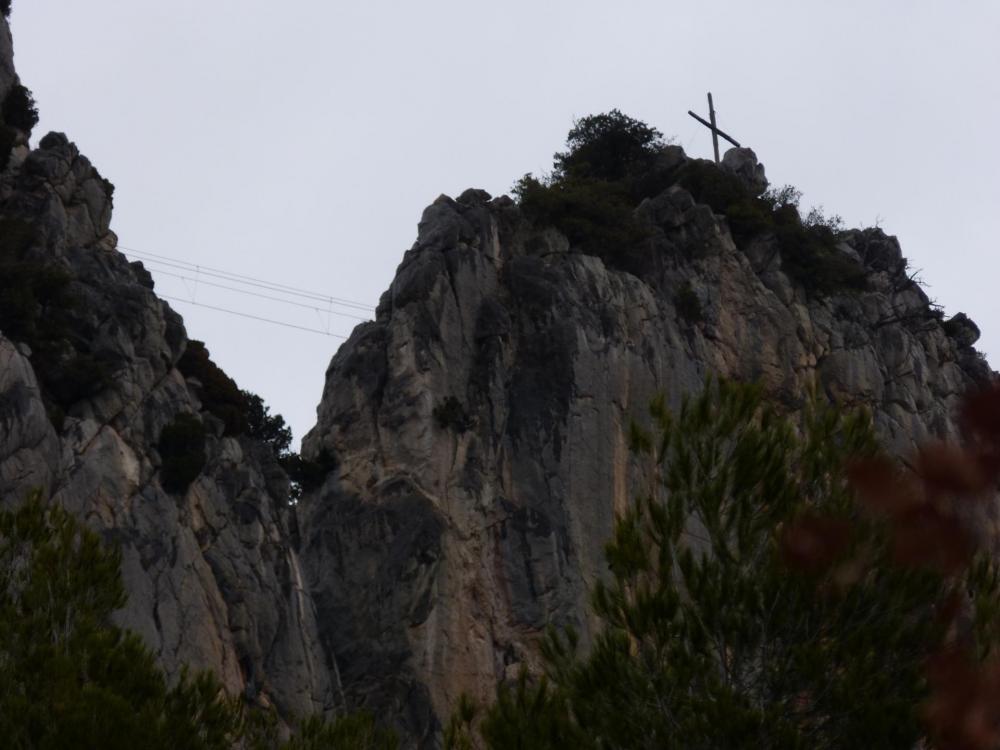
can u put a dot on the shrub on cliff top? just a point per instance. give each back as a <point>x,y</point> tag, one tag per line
<point>19,108</point>
<point>269,428</point>
<point>220,394</point>
<point>595,186</point>
<point>607,147</point>
<point>808,248</point>
<point>596,216</point>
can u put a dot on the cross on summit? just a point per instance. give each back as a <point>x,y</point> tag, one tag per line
<point>711,126</point>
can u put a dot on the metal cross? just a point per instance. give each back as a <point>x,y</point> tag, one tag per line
<point>711,126</point>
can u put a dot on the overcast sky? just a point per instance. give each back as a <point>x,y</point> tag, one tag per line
<point>299,141</point>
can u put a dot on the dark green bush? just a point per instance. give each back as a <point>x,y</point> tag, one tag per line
<point>19,108</point>
<point>71,678</point>
<point>450,414</point>
<point>265,427</point>
<point>28,291</point>
<point>5,8</point>
<point>610,165</point>
<point>596,216</point>
<point>747,215</point>
<point>808,248</point>
<point>687,304</point>
<point>83,376</point>
<point>8,136</point>
<point>220,394</point>
<point>307,474</point>
<point>182,451</point>
<point>37,308</point>
<point>711,185</point>
<point>809,255</point>
<point>607,147</point>
<point>786,195</point>
<point>748,218</point>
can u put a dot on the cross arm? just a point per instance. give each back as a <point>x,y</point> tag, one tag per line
<point>707,124</point>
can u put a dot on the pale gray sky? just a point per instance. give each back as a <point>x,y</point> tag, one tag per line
<point>299,141</point>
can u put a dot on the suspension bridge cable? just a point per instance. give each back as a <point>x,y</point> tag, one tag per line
<point>253,317</point>
<point>261,296</point>
<point>263,285</point>
<point>241,278</point>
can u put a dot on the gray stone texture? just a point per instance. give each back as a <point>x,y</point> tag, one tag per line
<point>431,561</point>
<point>496,524</point>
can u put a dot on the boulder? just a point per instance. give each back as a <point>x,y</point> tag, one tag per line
<point>743,163</point>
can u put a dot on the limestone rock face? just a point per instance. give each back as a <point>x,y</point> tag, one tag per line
<point>743,163</point>
<point>212,575</point>
<point>481,422</point>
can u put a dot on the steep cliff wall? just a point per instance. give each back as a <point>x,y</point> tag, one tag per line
<point>481,420</point>
<point>479,424</point>
<point>88,381</point>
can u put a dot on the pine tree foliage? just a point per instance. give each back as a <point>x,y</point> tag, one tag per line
<point>69,678</point>
<point>710,639</point>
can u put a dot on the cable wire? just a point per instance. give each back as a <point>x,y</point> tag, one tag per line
<point>253,317</point>
<point>262,296</point>
<point>241,278</point>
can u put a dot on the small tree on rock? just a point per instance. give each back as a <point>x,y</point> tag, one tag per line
<point>607,147</point>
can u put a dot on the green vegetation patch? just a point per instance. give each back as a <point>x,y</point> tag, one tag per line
<point>220,394</point>
<point>591,195</point>
<point>70,678</point>
<point>610,147</point>
<point>8,137</point>
<point>38,308</point>
<point>182,451</point>
<point>450,415</point>
<point>245,413</point>
<point>307,474</point>
<point>809,253</point>
<point>687,304</point>
<point>19,109</point>
<point>716,630</point>
<point>596,216</point>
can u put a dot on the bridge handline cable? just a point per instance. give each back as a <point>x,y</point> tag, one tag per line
<point>262,285</point>
<point>263,296</point>
<point>252,317</point>
<point>229,275</point>
<point>241,277</point>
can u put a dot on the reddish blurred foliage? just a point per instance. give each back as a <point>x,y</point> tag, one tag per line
<point>948,468</point>
<point>920,512</point>
<point>813,543</point>
<point>979,415</point>
<point>882,487</point>
<point>961,713</point>
<point>925,537</point>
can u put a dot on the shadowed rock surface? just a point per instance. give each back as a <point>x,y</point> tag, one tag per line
<point>212,575</point>
<point>481,421</point>
<point>480,426</point>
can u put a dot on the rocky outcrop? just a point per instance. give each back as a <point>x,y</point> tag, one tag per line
<point>88,380</point>
<point>479,424</point>
<point>481,421</point>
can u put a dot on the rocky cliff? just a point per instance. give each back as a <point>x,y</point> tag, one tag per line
<point>481,420</point>
<point>479,424</point>
<point>88,382</point>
